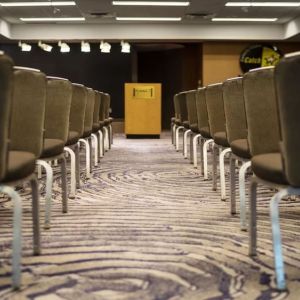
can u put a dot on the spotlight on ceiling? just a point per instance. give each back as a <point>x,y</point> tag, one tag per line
<point>24,47</point>
<point>125,47</point>
<point>105,47</point>
<point>45,47</point>
<point>85,47</point>
<point>64,47</point>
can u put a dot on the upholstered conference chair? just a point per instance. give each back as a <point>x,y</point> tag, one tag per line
<point>26,129</point>
<point>264,139</point>
<point>236,131</point>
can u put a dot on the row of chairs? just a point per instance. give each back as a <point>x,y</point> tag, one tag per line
<point>43,121</point>
<point>255,120</point>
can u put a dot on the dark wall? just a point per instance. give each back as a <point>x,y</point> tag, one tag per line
<point>100,71</point>
<point>176,69</point>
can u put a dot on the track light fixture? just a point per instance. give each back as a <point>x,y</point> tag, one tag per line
<point>24,47</point>
<point>85,47</point>
<point>64,47</point>
<point>45,47</point>
<point>125,47</point>
<point>105,47</point>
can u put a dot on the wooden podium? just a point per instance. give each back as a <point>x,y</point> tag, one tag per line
<point>142,109</point>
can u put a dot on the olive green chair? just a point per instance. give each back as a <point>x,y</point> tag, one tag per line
<point>237,132</point>
<point>204,132</point>
<point>183,118</point>
<point>76,126</point>
<point>193,123</point>
<point>288,91</point>
<point>216,119</point>
<point>263,137</point>
<point>96,128</point>
<point>57,113</point>
<point>26,144</point>
<point>175,120</point>
<point>85,139</point>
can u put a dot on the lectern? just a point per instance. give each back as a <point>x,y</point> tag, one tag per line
<point>143,109</point>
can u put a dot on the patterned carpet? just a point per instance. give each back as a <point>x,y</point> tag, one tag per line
<point>147,227</point>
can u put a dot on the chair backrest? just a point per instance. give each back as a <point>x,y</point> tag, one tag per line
<point>287,74</point>
<point>191,107</point>
<point>6,85</point>
<point>183,115</point>
<point>78,107</point>
<point>261,111</point>
<point>96,108</point>
<point>234,107</point>
<point>215,108</point>
<point>202,115</point>
<point>28,110</point>
<point>89,112</point>
<point>58,106</point>
<point>106,105</point>
<point>102,107</point>
<point>176,106</point>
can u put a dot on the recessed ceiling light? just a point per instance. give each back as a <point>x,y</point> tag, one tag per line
<point>146,19</point>
<point>51,19</point>
<point>152,3</point>
<point>41,3</point>
<point>244,19</point>
<point>264,4</point>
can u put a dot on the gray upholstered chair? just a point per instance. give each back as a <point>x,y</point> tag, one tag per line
<point>96,128</point>
<point>204,132</point>
<point>236,131</point>
<point>57,113</point>
<point>76,126</point>
<point>287,74</point>
<point>26,132</point>
<point>216,119</point>
<point>193,122</point>
<point>183,118</point>
<point>263,137</point>
<point>175,121</point>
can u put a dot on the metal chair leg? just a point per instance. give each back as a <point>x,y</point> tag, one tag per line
<point>64,186</point>
<point>87,157</point>
<point>73,172</point>
<point>222,172</point>
<point>242,189</point>
<point>101,150</point>
<point>195,140</point>
<point>205,145</point>
<point>48,196</point>
<point>214,167</point>
<point>35,216</point>
<point>177,137</point>
<point>17,234</point>
<point>95,140</point>
<point>252,219</point>
<point>77,166</point>
<point>185,135</point>
<point>232,185</point>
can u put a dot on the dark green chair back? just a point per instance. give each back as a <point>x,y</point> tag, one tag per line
<point>78,107</point>
<point>234,107</point>
<point>6,86</point>
<point>102,107</point>
<point>215,108</point>
<point>89,112</point>
<point>261,111</point>
<point>287,77</point>
<point>176,106</point>
<point>96,113</point>
<point>28,111</point>
<point>201,107</point>
<point>191,107</point>
<point>183,115</point>
<point>58,105</point>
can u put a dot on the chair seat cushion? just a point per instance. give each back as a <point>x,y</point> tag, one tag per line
<point>269,167</point>
<point>87,132</point>
<point>52,147</point>
<point>194,128</point>
<point>73,138</point>
<point>96,127</point>
<point>204,131</point>
<point>186,124</point>
<point>220,139</point>
<point>241,148</point>
<point>20,165</point>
